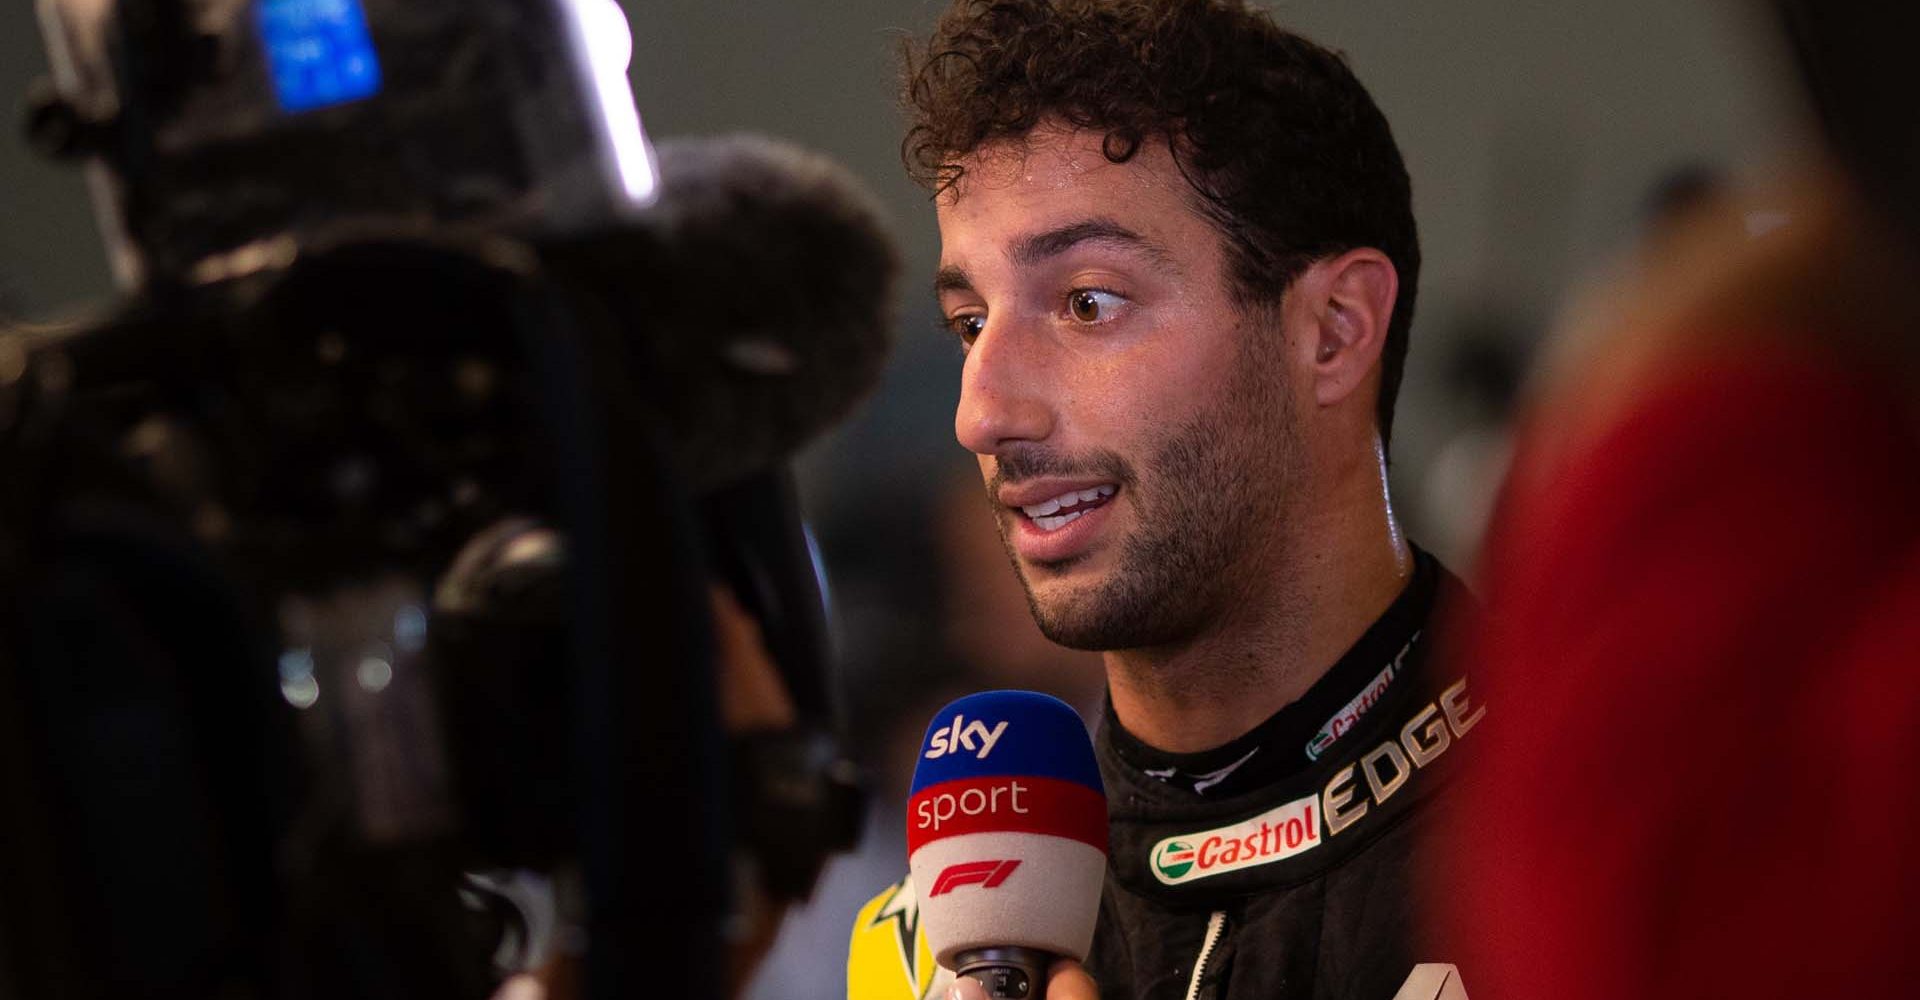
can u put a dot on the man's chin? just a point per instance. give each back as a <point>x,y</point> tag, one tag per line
<point>1077,611</point>
<point>1064,584</point>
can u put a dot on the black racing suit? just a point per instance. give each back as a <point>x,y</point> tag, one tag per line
<point>1286,865</point>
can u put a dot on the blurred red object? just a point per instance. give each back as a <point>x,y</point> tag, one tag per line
<point>1702,644</point>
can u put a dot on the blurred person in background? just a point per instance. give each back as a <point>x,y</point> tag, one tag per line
<point>1482,368</point>
<point>1485,362</point>
<point>10,312</point>
<point>1703,594</point>
<point>1178,247</point>
<point>752,697</point>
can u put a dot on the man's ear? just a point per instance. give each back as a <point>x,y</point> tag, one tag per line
<point>1351,312</point>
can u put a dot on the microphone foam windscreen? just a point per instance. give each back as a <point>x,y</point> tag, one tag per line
<point>761,287</point>
<point>1007,827</point>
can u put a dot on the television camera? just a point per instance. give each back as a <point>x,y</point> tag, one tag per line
<point>367,542</point>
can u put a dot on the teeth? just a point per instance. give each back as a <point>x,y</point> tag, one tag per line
<point>1066,500</point>
<point>1056,523</point>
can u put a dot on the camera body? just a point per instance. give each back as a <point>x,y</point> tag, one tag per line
<point>351,551</point>
<point>225,132</point>
<point>264,700</point>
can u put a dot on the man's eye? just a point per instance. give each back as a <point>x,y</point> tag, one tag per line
<point>967,326</point>
<point>1092,305</point>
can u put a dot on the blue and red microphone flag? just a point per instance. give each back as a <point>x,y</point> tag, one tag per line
<point>1007,826</point>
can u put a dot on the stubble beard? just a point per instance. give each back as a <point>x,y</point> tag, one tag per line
<point>1212,503</point>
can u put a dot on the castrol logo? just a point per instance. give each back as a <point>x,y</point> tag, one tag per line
<point>1283,832</point>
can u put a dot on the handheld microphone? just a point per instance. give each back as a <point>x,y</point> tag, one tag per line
<point>1007,839</point>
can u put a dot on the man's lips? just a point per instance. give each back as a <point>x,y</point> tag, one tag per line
<point>1056,520</point>
<point>1036,493</point>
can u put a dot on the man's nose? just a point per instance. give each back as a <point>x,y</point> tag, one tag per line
<point>1003,391</point>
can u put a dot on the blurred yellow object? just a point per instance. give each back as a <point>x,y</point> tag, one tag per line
<point>888,957</point>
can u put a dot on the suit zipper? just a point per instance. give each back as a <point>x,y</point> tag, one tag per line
<point>1215,925</point>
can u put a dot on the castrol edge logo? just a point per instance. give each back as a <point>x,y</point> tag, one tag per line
<point>1350,713</point>
<point>1278,833</point>
<point>1295,828</point>
<point>1383,771</point>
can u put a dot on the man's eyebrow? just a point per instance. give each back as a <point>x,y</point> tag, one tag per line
<point>1030,250</point>
<point>1038,247</point>
<point>951,279</point>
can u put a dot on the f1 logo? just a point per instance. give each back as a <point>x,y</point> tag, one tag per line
<point>985,874</point>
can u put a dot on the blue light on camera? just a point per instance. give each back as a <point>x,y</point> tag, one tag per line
<point>319,52</point>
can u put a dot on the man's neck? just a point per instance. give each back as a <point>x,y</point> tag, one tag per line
<point>1336,570</point>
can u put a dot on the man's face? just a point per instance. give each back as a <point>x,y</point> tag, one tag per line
<point>1134,424</point>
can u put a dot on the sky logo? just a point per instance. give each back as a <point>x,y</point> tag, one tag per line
<point>973,737</point>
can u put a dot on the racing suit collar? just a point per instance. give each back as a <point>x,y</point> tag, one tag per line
<point>1316,724</point>
<point>1292,817</point>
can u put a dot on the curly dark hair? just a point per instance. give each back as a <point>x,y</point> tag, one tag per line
<point>1289,157</point>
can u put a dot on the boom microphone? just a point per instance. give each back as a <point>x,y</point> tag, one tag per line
<point>762,287</point>
<point>1007,839</point>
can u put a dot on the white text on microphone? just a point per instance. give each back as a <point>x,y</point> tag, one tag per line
<point>970,802</point>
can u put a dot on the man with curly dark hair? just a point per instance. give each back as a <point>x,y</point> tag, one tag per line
<point>1179,251</point>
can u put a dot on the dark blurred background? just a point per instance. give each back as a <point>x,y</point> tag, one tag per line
<point>1539,136</point>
